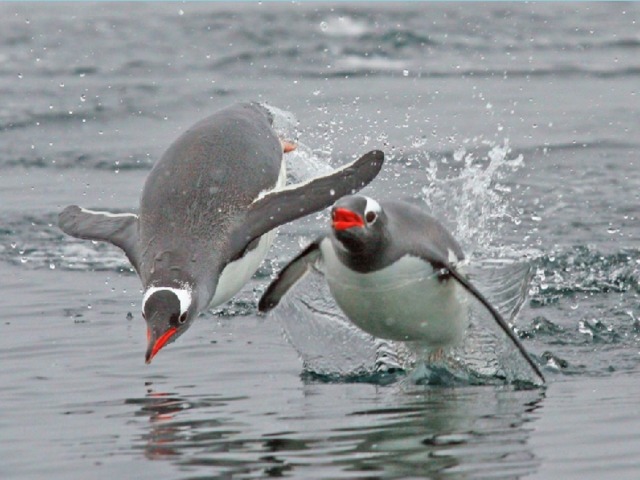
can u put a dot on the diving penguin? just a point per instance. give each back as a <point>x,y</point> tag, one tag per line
<point>207,215</point>
<point>392,269</point>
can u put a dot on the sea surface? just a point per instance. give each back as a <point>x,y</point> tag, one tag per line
<point>516,124</point>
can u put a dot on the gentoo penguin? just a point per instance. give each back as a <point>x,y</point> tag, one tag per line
<point>207,214</point>
<point>392,269</point>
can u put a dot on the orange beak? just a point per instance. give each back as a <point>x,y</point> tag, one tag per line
<point>344,219</point>
<point>154,346</point>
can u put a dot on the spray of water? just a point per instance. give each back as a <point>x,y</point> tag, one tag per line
<point>469,189</point>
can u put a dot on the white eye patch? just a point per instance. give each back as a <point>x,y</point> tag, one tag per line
<point>183,294</point>
<point>371,210</point>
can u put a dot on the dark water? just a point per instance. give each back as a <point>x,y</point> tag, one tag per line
<point>515,123</point>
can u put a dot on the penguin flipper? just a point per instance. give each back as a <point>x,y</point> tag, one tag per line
<point>497,316</point>
<point>119,229</point>
<point>295,201</point>
<point>289,275</point>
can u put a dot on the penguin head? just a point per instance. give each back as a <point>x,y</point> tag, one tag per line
<point>358,223</point>
<point>169,313</point>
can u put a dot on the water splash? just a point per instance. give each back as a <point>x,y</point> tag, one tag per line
<point>468,185</point>
<point>284,122</point>
<point>470,194</point>
<point>303,163</point>
<point>584,269</point>
<point>332,348</point>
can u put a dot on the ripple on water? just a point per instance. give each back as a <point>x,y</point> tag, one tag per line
<point>333,349</point>
<point>37,243</point>
<point>584,269</point>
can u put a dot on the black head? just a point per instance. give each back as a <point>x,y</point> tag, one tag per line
<point>358,223</point>
<point>168,312</point>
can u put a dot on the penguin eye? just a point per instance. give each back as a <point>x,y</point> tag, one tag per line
<point>182,318</point>
<point>370,217</point>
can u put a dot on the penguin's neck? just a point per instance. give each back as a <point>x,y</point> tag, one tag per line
<point>363,261</point>
<point>178,269</point>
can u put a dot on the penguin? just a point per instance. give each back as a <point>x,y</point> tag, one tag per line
<point>207,215</point>
<point>394,271</point>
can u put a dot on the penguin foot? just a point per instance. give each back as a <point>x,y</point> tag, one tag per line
<point>288,146</point>
<point>436,356</point>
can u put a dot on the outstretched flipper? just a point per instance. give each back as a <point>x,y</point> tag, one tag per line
<point>496,315</point>
<point>290,274</point>
<point>295,201</point>
<point>120,229</point>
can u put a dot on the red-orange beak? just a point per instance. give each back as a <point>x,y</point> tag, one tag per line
<point>155,345</point>
<point>344,219</point>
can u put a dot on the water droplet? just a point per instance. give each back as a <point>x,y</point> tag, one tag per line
<point>89,307</point>
<point>180,12</point>
<point>20,76</point>
<point>23,259</point>
<point>405,73</point>
<point>459,154</point>
<point>583,328</point>
<point>14,245</point>
<point>323,26</point>
<point>52,266</point>
<point>332,192</point>
<point>83,98</point>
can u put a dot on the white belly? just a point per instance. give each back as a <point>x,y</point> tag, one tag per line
<point>236,274</point>
<point>404,301</point>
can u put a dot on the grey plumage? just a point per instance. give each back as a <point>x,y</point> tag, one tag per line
<point>207,206</point>
<point>392,268</point>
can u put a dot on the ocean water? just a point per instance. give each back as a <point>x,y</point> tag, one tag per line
<point>516,124</point>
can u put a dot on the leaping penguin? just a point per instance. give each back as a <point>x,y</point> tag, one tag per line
<point>207,215</point>
<point>392,269</point>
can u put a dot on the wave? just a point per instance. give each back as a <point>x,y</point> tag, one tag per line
<point>357,67</point>
<point>584,269</point>
<point>36,242</point>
